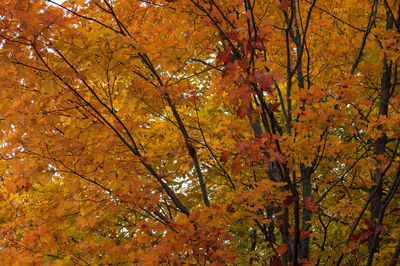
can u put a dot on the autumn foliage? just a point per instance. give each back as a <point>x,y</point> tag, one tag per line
<point>196,132</point>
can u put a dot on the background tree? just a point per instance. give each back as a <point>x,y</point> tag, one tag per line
<point>199,132</point>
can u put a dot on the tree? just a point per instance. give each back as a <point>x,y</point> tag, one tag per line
<point>199,132</point>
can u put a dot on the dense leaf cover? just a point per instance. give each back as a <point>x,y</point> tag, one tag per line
<point>194,132</point>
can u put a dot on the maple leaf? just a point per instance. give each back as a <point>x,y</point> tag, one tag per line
<point>273,107</point>
<point>289,200</point>
<point>282,249</point>
<point>304,234</point>
<point>175,133</point>
<point>308,204</point>
<point>224,56</point>
<point>236,165</point>
<point>230,208</point>
<point>285,4</point>
<point>276,262</point>
<point>265,81</point>
<point>225,155</point>
<point>242,111</point>
<point>233,36</point>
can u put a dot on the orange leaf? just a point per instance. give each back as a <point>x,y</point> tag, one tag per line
<point>236,166</point>
<point>304,234</point>
<point>282,249</point>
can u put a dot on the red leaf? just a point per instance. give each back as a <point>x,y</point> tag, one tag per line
<point>306,262</point>
<point>276,262</point>
<point>278,156</point>
<point>230,208</point>
<point>126,198</point>
<point>243,111</point>
<point>224,56</point>
<point>249,45</point>
<point>365,235</point>
<point>258,75</point>
<point>285,4</point>
<point>394,210</point>
<point>187,36</point>
<point>289,200</point>
<point>259,47</point>
<point>252,44</point>
<point>273,107</point>
<point>371,225</point>
<point>233,36</point>
<point>304,234</point>
<point>265,81</point>
<point>236,166</point>
<point>27,186</point>
<point>362,237</point>
<point>309,205</point>
<point>379,228</point>
<point>225,155</point>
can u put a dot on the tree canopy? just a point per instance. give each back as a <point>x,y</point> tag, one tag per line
<point>199,132</point>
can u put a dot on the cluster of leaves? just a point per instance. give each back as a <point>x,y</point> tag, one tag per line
<point>199,132</point>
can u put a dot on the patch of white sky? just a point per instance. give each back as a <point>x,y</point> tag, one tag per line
<point>56,1</point>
